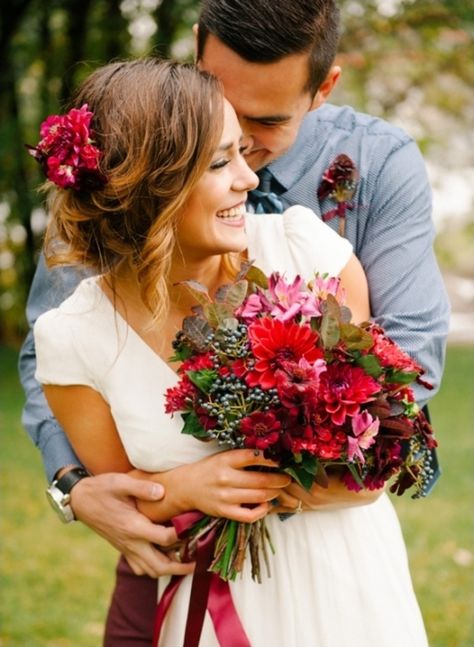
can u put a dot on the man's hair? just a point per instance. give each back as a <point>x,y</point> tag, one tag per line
<point>265,31</point>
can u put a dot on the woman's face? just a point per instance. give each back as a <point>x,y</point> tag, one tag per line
<point>213,219</point>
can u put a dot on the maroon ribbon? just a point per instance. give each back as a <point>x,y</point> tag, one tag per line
<point>339,211</point>
<point>208,592</point>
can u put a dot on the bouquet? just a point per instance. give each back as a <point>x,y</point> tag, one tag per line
<point>278,366</point>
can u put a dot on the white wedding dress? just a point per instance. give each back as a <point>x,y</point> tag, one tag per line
<point>339,578</point>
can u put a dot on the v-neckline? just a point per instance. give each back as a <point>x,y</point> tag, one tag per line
<point>131,329</point>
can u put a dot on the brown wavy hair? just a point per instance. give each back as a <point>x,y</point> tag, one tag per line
<point>157,124</point>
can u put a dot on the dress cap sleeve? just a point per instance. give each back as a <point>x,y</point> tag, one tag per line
<point>296,242</point>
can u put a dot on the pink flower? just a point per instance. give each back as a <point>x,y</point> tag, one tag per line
<point>254,306</point>
<point>288,299</point>
<point>344,388</point>
<point>66,151</point>
<point>365,428</point>
<point>297,383</point>
<point>322,286</point>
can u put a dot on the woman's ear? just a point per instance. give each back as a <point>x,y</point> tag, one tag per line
<point>326,87</point>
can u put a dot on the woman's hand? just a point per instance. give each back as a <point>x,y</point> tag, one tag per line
<point>227,484</point>
<point>335,496</point>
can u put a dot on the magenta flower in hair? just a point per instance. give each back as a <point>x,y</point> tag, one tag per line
<point>66,151</point>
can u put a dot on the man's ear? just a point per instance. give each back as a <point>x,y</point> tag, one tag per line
<point>326,87</point>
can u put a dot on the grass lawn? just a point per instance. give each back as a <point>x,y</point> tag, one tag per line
<point>56,579</point>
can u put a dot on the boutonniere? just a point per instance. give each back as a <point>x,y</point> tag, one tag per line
<point>339,183</point>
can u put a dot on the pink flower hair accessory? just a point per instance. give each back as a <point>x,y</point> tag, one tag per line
<point>67,153</point>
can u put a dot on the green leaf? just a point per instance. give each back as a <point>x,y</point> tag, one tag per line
<point>229,324</point>
<point>355,337</point>
<point>331,322</point>
<point>301,476</point>
<point>192,426</point>
<point>217,313</point>
<point>346,314</point>
<point>401,377</point>
<point>197,330</point>
<point>355,473</point>
<point>243,271</point>
<point>370,364</point>
<point>257,277</point>
<point>303,470</point>
<point>321,477</point>
<point>180,354</point>
<point>198,291</point>
<point>203,379</point>
<point>232,294</point>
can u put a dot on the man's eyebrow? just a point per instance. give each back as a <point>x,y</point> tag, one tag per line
<point>274,119</point>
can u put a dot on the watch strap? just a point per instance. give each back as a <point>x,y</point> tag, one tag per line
<point>69,479</point>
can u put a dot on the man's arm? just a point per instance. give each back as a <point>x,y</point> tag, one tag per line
<point>106,503</point>
<point>48,290</point>
<point>407,293</point>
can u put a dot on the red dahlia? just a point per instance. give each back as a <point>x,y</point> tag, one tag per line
<point>274,343</point>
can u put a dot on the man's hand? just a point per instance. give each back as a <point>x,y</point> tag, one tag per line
<point>106,503</point>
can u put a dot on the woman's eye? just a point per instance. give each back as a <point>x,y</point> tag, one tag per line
<point>219,164</point>
<point>244,149</point>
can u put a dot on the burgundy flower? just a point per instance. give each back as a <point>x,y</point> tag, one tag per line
<point>344,388</point>
<point>390,354</point>
<point>339,183</point>
<point>197,363</point>
<point>423,428</point>
<point>297,383</point>
<point>66,151</point>
<point>181,396</point>
<point>339,180</point>
<point>275,342</point>
<point>261,430</point>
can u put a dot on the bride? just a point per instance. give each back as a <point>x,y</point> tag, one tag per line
<point>154,193</point>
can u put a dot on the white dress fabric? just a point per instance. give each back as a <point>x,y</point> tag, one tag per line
<point>339,578</point>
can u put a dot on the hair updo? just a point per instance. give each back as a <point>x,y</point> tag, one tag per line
<point>157,125</point>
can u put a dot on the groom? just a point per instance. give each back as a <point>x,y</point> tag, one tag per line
<point>278,78</point>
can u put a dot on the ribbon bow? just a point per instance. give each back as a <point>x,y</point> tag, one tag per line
<point>208,592</point>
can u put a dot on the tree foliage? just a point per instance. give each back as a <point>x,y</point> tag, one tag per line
<point>402,59</point>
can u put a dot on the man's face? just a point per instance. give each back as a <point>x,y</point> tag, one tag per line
<point>269,98</point>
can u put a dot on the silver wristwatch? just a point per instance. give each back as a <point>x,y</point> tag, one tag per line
<point>58,493</point>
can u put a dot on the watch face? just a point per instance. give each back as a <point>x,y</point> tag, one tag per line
<point>60,503</point>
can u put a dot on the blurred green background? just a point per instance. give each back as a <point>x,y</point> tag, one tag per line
<point>411,62</point>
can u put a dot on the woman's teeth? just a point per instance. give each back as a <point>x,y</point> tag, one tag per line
<point>232,213</point>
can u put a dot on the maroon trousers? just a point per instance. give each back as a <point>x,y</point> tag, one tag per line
<point>132,609</point>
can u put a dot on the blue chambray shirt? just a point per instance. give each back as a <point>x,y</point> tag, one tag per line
<point>390,228</point>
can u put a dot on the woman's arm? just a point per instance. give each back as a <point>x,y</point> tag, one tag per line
<point>218,485</point>
<point>354,282</point>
